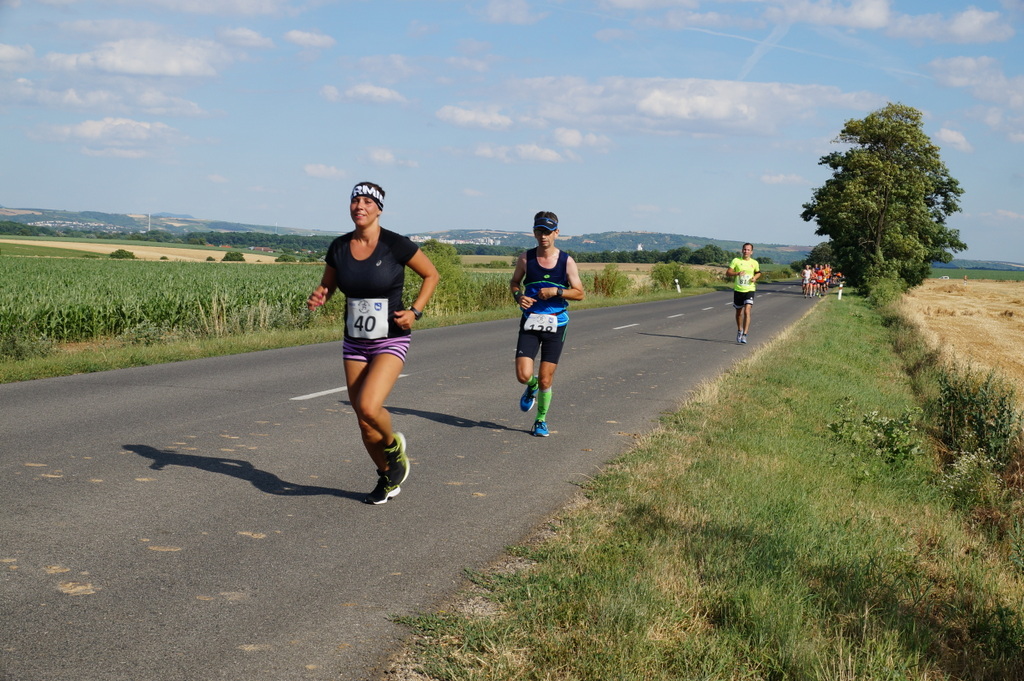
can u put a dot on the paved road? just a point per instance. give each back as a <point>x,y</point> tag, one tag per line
<point>202,521</point>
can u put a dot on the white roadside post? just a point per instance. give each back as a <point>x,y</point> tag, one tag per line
<point>678,290</point>
<point>840,290</point>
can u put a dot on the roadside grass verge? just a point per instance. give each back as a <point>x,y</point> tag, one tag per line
<point>785,523</point>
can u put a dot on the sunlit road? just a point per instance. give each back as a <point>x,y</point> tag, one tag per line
<point>202,520</point>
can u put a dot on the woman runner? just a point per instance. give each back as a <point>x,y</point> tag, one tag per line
<point>368,266</point>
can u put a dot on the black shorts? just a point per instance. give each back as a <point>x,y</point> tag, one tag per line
<point>741,298</point>
<point>549,343</point>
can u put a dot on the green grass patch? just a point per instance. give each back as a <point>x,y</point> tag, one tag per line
<point>994,275</point>
<point>748,539</point>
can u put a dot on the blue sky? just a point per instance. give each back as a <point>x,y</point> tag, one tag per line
<point>701,117</point>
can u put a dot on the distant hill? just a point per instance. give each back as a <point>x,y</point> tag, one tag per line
<point>176,224</point>
<point>182,225</point>
<point>172,215</point>
<point>614,241</point>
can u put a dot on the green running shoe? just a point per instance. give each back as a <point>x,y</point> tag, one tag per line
<point>398,460</point>
<point>383,491</point>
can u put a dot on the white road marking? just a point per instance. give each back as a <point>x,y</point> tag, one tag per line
<point>673,316</point>
<point>330,392</point>
<point>711,308</point>
<point>616,328</point>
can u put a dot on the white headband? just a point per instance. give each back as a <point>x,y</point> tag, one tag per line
<point>372,192</point>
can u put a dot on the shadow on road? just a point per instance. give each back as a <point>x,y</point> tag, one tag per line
<point>446,419</point>
<point>236,468</point>
<point>702,340</point>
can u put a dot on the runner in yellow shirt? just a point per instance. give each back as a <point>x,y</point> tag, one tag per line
<point>746,272</point>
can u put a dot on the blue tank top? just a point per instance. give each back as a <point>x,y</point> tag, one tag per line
<point>538,277</point>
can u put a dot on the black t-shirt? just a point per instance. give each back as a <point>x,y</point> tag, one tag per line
<point>382,275</point>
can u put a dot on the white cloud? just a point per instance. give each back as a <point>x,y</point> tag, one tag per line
<point>389,68</point>
<point>26,92</point>
<point>533,152</point>
<point>984,77</point>
<point>330,93</point>
<point>1004,214</point>
<point>521,152</point>
<point>241,7</point>
<point>783,179</point>
<point>651,4</point>
<point>954,139</point>
<point>313,40</point>
<point>569,137</point>
<point>115,152</point>
<point>472,192</point>
<point>217,179</point>
<point>867,14</point>
<point>385,157</point>
<point>245,37</point>
<point>469,64</point>
<point>488,118</point>
<point>147,57</point>
<point>324,172</point>
<point>13,57</point>
<point>493,151</point>
<point>149,100</point>
<point>373,93</point>
<point>680,19</point>
<point>970,26</point>
<point>682,105</point>
<point>116,137</point>
<point>510,12</point>
<point>112,29</point>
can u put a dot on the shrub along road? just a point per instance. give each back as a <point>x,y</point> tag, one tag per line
<point>202,520</point>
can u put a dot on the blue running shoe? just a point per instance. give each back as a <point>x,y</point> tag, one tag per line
<point>528,399</point>
<point>739,336</point>
<point>743,338</point>
<point>540,429</point>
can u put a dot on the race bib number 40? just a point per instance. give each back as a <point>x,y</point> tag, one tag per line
<point>367,318</point>
<point>541,322</point>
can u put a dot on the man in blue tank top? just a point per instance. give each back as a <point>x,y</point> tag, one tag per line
<point>544,281</point>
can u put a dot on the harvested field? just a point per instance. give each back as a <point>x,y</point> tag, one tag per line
<point>144,250</point>
<point>978,322</point>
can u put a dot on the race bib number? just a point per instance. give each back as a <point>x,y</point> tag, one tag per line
<point>745,279</point>
<point>541,322</point>
<point>367,318</point>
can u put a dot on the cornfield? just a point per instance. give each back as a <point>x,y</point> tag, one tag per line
<point>68,300</point>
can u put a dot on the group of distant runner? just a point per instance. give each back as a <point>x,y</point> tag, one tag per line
<point>816,280</point>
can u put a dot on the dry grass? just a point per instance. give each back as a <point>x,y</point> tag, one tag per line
<point>980,322</point>
<point>144,251</point>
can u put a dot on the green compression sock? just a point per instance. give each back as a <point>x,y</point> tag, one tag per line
<point>543,402</point>
<point>533,382</point>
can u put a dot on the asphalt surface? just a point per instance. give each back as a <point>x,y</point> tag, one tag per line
<point>202,520</point>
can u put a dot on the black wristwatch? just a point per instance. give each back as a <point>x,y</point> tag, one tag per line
<point>416,313</point>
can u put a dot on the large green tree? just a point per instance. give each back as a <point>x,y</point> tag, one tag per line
<point>885,207</point>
